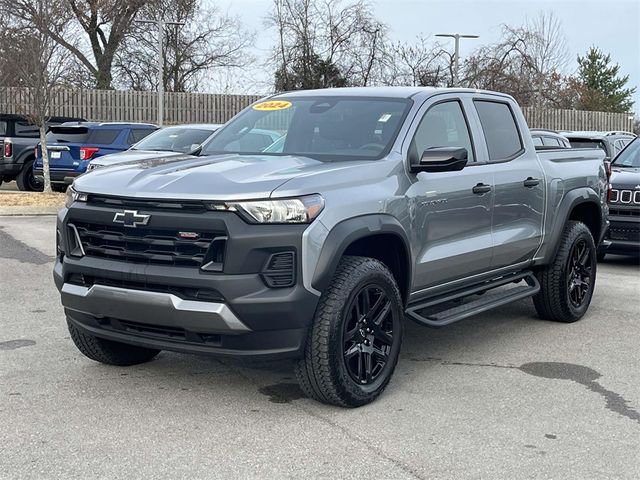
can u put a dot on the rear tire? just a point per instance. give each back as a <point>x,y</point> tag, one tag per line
<point>109,352</point>
<point>566,285</point>
<point>354,341</point>
<point>26,180</point>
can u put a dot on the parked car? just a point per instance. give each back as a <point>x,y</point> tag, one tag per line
<point>166,142</point>
<point>611,143</point>
<point>549,138</point>
<point>623,235</point>
<point>73,145</point>
<point>382,202</point>
<point>19,136</point>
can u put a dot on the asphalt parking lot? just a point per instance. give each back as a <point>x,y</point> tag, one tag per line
<point>501,396</point>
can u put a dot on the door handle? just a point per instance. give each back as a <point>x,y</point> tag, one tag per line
<point>481,188</point>
<point>531,182</point>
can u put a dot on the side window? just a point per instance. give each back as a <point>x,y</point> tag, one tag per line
<point>537,141</point>
<point>104,136</point>
<point>500,129</point>
<point>552,142</point>
<point>444,125</point>
<point>3,128</point>
<point>137,134</point>
<point>26,129</point>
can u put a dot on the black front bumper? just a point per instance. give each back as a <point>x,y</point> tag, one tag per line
<point>58,176</point>
<point>623,234</point>
<point>155,305</point>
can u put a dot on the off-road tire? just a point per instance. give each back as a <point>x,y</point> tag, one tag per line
<point>322,372</point>
<point>553,302</point>
<point>25,179</point>
<point>109,352</point>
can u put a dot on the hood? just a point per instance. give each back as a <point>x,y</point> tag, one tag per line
<point>627,178</point>
<point>220,177</point>
<point>131,156</point>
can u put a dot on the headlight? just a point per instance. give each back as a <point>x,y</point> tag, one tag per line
<point>286,210</point>
<point>73,196</point>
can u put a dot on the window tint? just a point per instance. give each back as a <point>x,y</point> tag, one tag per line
<point>500,129</point>
<point>104,136</point>
<point>3,128</point>
<point>26,129</point>
<point>137,134</point>
<point>551,141</point>
<point>443,125</point>
<point>537,140</point>
<point>67,135</point>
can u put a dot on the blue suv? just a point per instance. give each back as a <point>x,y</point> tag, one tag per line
<point>72,145</point>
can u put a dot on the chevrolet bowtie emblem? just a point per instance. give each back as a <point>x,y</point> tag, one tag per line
<point>131,218</point>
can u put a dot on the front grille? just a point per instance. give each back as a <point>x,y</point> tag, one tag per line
<point>186,293</point>
<point>192,206</point>
<point>144,245</point>
<point>625,196</point>
<point>279,270</point>
<point>160,331</point>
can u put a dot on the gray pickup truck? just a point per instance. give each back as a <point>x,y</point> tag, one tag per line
<point>379,204</point>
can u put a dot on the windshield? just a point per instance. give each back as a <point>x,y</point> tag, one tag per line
<point>630,156</point>
<point>324,128</point>
<point>174,139</point>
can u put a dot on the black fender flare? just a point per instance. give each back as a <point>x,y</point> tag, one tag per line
<point>25,156</point>
<point>348,231</point>
<point>572,199</point>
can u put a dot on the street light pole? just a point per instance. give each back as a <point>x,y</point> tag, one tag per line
<point>456,65</point>
<point>161,25</point>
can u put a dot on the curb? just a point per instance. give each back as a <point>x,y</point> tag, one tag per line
<point>26,211</point>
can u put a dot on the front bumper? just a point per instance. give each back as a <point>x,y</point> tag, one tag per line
<point>58,176</point>
<point>145,304</point>
<point>623,234</point>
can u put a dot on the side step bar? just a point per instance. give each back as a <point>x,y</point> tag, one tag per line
<point>420,311</point>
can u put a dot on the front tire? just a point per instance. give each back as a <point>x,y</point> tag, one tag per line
<point>566,285</point>
<point>26,181</point>
<point>354,342</point>
<point>107,351</point>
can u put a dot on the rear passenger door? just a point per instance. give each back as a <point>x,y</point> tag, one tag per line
<point>450,216</point>
<point>519,184</point>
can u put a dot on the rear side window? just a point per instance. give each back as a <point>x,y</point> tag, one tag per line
<point>26,129</point>
<point>500,129</point>
<point>552,142</point>
<point>137,134</point>
<point>68,135</point>
<point>537,141</point>
<point>3,128</point>
<point>104,136</point>
<point>443,125</point>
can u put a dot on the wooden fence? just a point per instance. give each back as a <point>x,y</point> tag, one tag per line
<point>135,106</point>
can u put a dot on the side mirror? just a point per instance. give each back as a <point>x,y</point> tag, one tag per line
<point>441,159</point>
<point>196,148</point>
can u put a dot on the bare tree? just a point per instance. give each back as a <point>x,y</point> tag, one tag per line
<point>417,63</point>
<point>208,40</point>
<point>94,29</point>
<point>41,69</point>
<point>324,43</point>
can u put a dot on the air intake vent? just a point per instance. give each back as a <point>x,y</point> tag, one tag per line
<point>279,271</point>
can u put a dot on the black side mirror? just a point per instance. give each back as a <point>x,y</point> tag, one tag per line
<point>441,159</point>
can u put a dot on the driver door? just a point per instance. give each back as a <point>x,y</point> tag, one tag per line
<point>451,215</point>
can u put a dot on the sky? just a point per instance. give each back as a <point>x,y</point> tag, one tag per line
<point>611,25</point>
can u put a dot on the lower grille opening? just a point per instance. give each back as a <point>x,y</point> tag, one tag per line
<point>160,331</point>
<point>185,293</point>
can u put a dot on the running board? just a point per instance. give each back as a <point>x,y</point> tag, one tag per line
<point>419,312</point>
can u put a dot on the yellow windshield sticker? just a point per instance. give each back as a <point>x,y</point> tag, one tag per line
<point>272,105</point>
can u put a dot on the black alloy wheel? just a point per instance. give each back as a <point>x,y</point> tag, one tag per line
<point>368,334</point>
<point>579,273</point>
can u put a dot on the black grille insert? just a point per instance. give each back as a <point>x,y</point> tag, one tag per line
<point>160,331</point>
<point>143,245</point>
<point>279,271</point>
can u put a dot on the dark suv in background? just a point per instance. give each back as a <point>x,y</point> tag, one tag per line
<point>624,203</point>
<point>73,145</point>
<point>19,137</point>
